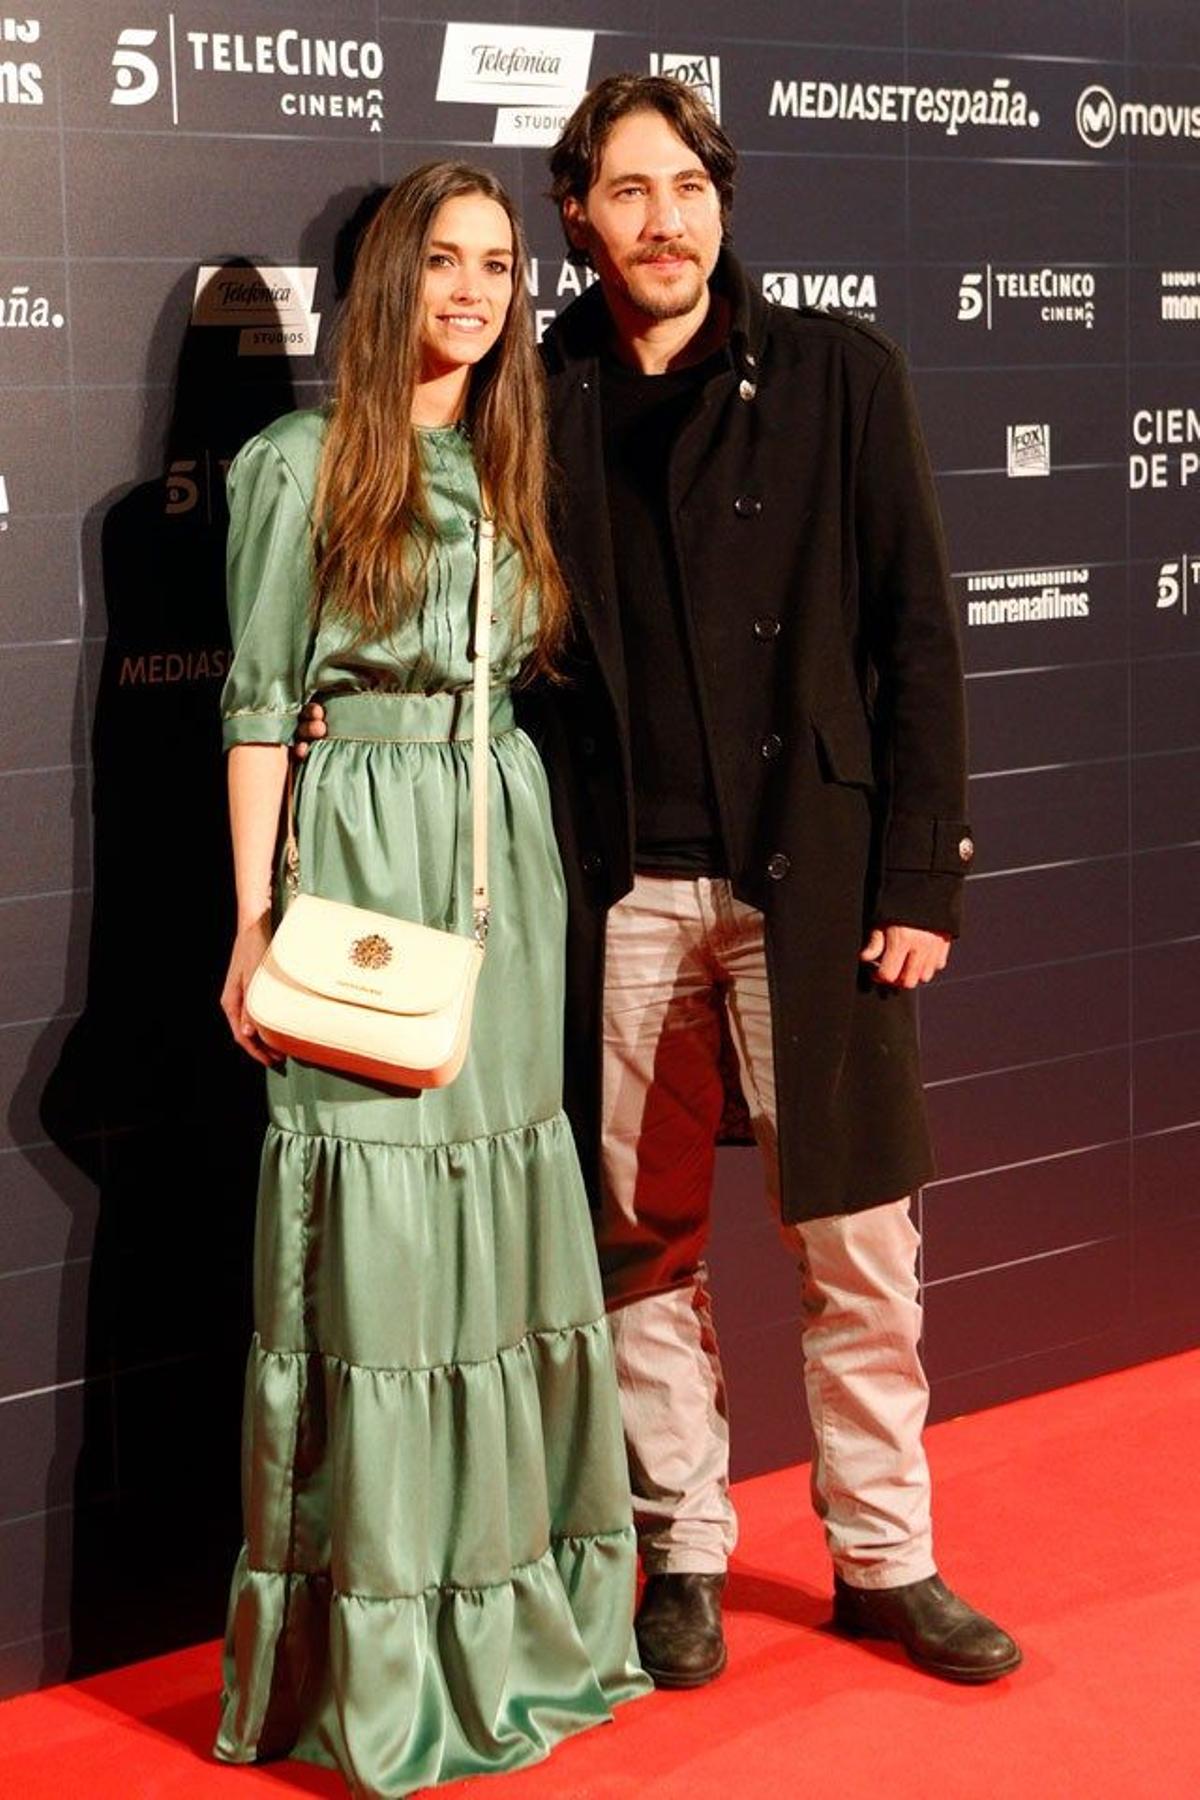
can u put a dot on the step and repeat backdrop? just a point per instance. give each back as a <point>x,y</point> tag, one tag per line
<point>1010,189</point>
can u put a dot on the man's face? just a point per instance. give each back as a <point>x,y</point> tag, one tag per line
<point>651,220</point>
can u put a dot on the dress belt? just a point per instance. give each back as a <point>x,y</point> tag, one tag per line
<point>414,718</point>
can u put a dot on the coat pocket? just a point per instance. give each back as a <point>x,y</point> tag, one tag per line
<point>844,744</point>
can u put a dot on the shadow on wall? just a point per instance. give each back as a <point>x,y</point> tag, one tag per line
<point>148,1098</point>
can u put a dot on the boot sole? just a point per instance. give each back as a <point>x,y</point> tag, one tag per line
<point>686,1678</point>
<point>947,1671</point>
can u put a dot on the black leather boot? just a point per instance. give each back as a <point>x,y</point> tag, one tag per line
<point>678,1628</point>
<point>939,1631</point>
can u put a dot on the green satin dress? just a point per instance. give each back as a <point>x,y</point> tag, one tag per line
<point>438,1573</point>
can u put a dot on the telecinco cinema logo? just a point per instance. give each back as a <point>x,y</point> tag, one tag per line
<point>533,75</point>
<point>1100,117</point>
<point>700,72</point>
<point>1178,584</point>
<point>20,76</point>
<point>313,77</point>
<point>1058,296</point>
<point>848,293</point>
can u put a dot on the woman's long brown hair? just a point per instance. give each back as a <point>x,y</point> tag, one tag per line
<point>373,529</point>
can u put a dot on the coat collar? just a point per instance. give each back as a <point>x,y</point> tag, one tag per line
<point>578,335</point>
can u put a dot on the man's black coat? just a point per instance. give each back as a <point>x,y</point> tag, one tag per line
<point>817,604</point>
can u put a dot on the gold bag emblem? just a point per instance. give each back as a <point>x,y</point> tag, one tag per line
<point>373,952</point>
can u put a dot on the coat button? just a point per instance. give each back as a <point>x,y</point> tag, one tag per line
<point>588,746</point>
<point>749,360</point>
<point>778,866</point>
<point>771,745</point>
<point>766,627</point>
<point>966,850</point>
<point>747,506</point>
<point>591,863</point>
<point>747,390</point>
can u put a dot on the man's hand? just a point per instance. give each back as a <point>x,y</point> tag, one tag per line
<point>905,956</point>
<point>309,728</point>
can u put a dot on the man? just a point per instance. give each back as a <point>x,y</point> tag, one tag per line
<point>758,773</point>
<point>759,781</point>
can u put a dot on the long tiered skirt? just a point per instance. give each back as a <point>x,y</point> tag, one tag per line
<point>438,1572</point>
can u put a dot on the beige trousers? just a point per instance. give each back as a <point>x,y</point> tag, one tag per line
<point>679,950</point>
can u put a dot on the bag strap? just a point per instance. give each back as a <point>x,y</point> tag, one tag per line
<point>480,726</point>
<point>480,737</point>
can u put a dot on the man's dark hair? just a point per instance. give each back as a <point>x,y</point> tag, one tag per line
<point>575,158</point>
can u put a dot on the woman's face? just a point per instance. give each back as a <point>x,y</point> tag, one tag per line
<point>468,283</point>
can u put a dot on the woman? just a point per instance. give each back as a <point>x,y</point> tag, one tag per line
<point>439,1563</point>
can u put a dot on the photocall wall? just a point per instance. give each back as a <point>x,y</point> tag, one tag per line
<point>1010,189</point>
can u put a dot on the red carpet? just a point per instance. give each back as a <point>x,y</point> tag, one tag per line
<point>1072,1517</point>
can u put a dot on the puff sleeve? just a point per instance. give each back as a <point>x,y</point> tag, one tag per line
<point>269,595</point>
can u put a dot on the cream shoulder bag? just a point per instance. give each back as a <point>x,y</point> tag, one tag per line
<point>364,992</point>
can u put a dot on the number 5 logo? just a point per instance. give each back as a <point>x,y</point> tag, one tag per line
<point>970,297</point>
<point>137,74</point>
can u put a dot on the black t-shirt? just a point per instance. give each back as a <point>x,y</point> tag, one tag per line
<point>677,829</point>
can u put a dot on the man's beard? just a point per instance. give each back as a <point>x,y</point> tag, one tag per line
<point>664,303</point>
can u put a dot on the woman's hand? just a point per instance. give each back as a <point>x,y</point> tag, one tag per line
<point>249,948</point>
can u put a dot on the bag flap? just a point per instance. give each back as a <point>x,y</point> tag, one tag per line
<point>369,958</point>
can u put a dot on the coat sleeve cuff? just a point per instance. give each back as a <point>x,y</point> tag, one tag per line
<point>930,902</point>
<point>924,861</point>
<point>920,844</point>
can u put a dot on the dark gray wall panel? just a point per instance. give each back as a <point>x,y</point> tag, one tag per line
<point>42,962</point>
<point>274,211</point>
<point>1044,915</point>
<point>1165,798</point>
<point>1060,814</point>
<point>1166,989</point>
<point>1166,894</point>
<point>1074,28</point>
<point>1019,1115</point>
<point>49,1210</point>
<point>970,1323</point>
<point>1025,1016</point>
<point>1063,715</point>
<point>1166,1083</point>
<point>43,1328</point>
<point>1165,1189</point>
<point>41,596</point>
<point>1016,1215</point>
<point>33,218</point>
<point>56,856</point>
